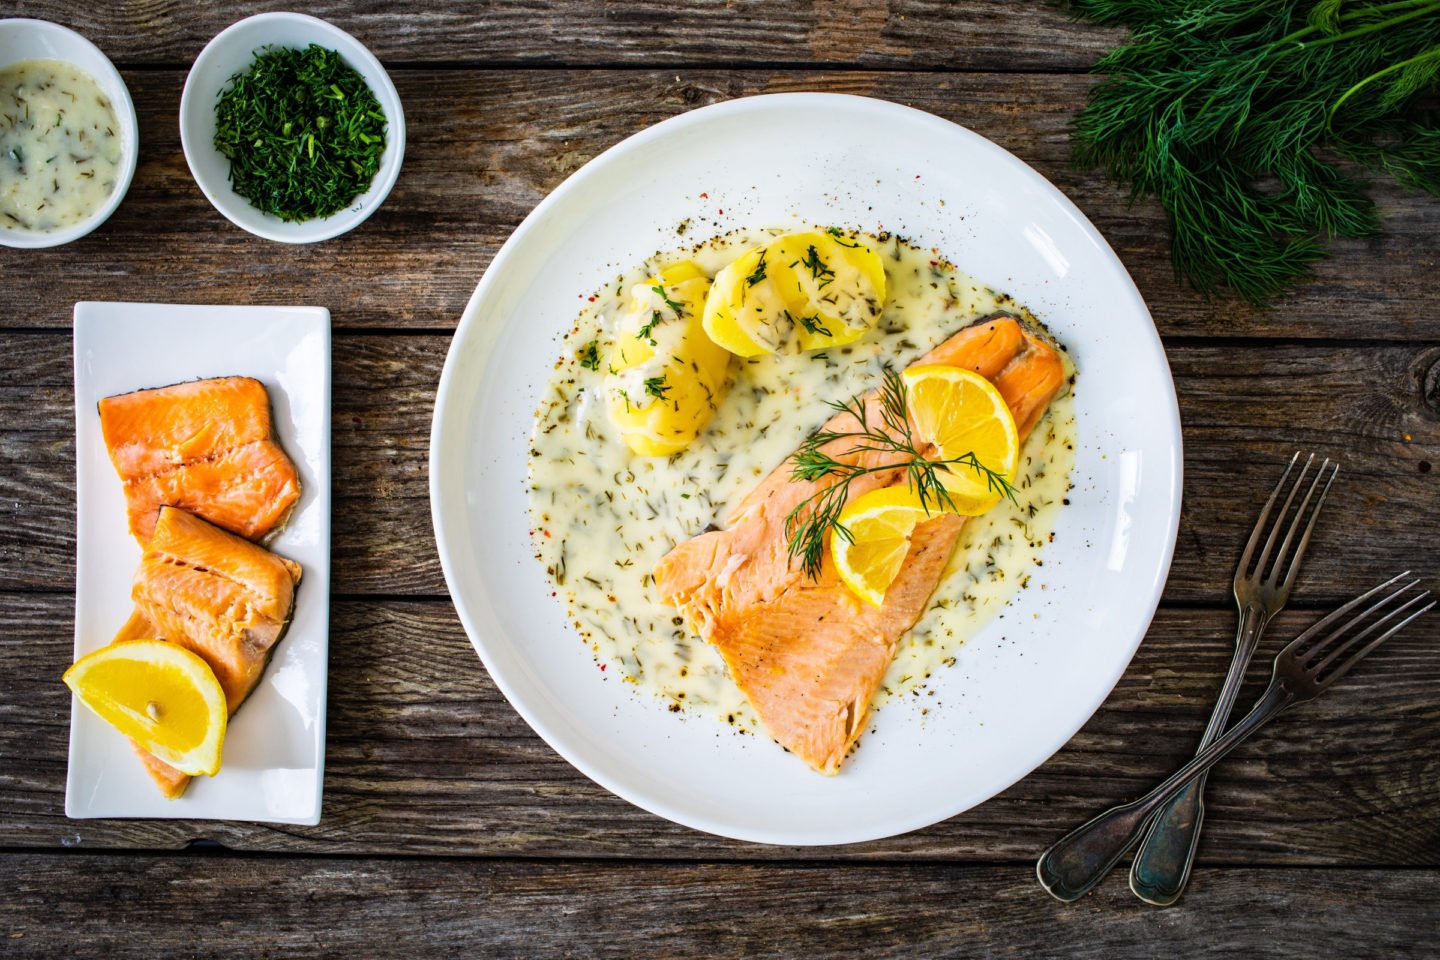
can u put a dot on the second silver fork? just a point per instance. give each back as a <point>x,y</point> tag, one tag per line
<point>1162,865</point>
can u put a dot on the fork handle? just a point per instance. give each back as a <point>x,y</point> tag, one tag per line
<point>1081,858</point>
<point>1162,864</point>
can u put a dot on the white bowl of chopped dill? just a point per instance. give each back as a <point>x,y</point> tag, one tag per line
<point>291,128</point>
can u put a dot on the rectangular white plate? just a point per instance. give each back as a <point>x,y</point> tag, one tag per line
<point>273,766</point>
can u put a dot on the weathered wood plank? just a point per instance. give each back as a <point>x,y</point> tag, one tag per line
<point>160,906</point>
<point>486,146</point>
<point>901,34</point>
<point>425,757</point>
<point>1243,410</point>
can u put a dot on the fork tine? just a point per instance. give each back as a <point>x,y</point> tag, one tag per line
<point>1279,519</point>
<point>1334,654</point>
<point>1339,612</point>
<point>1305,537</point>
<point>1244,567</point>
<point>1360,654</point>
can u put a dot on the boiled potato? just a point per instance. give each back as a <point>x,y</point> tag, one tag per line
<point>666,376</point>
<point>801,291</point>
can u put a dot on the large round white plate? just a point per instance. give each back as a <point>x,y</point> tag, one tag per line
<point>1025,683</point>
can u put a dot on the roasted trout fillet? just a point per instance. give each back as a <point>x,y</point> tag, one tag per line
<point>207,446</point>
<point>217,595</point>
<point>809,655</point>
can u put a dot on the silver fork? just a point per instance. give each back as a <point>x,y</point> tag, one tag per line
<point>1304,669</point>
<point>1162,865</point>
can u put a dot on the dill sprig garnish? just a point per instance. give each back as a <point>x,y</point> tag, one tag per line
<point>818,514</point>
<point>1233,114</point>
<point>303,132</point>
<point>656,387</point>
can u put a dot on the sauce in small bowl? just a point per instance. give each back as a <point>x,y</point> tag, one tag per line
<point>68,141</point>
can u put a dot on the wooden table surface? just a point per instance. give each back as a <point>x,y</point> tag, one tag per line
<point>447,823</point>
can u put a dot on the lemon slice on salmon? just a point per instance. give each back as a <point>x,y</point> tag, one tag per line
<point>965,417</point>
<point>160,695</point>
<point>879,524</point>
<point>800,292</point>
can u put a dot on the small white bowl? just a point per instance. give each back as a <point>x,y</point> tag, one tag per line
<point>41,40</point>
<point>231,52</point>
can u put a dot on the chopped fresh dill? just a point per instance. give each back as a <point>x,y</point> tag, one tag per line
<point>818,268</point>
<point>656,387</point>
<point>647,332</point>
<point>678,308</point>
<point>808,523</point>
<point>590,356</point>
<point>811,323</point>
<point>303,132</point>
<point>759,272</point>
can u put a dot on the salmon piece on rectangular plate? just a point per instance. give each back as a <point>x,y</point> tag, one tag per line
<point>808,654</point>
<point>221,597</point>
<point>207,446</point>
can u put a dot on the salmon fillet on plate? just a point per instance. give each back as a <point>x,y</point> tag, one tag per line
<point>807,653</point>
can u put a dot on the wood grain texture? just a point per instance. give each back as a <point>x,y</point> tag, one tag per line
<point>425,757</point>
<point>898,34</point>
<point>142,907</point>
<point>486,146</point>
<point>1243,411</point>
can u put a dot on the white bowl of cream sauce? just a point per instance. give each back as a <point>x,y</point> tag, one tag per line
<point>69,140</point>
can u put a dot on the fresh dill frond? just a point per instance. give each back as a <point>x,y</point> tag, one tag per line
<point>1237,116</point>
<point>656,387</point>
<point>815,517</point>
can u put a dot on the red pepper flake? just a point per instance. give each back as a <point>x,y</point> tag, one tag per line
<point>547,534</point>
<point>602,667</point>
<point>704,196</point>
<point>592,298</point>
<point>722,213</point>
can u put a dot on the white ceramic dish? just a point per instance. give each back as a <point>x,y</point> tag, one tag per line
<point>232,52</point>
<point>274,761</point>
<point>41,40</point>
<point>1025,683</point>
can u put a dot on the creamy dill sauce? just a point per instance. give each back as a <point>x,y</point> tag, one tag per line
<point>602,518</point>
<point>59,146</point>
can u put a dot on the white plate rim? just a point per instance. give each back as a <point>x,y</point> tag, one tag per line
<point>307,640</point>
<point>640,141</point>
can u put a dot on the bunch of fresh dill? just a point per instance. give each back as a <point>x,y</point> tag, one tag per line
<point>894,443</point>
<point>1249,120</point>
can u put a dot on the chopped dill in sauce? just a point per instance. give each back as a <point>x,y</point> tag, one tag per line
<point>602,518</point>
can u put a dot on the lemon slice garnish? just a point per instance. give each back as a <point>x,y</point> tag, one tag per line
<point>161,695</point>
<point>879,523</point>
<point>962,413</point>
